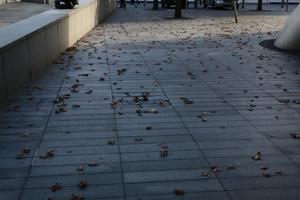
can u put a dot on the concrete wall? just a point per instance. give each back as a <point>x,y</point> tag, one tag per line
<point>28,46</point>
<point>289,37</point>
<point>2,81</point>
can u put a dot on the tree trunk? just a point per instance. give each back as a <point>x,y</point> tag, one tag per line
<point>243,4</point>
<point>195,3</point>
<point>205,3</point>
<point>178,9</point>
<point>259,5</point>
<point>184,4</point>
<point>282,3</point>
<point>155,5</point>
<point>235,11</point>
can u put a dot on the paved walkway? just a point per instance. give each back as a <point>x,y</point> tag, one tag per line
<point>146,106</point>
<point>16,11</point>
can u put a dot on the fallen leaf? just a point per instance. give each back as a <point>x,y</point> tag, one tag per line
<point>214,169</point>
<point>111,142</point>
<point>26,150</point>
<point>76,197</point>
<point>75,106</point>
<point>284,100</point>
<point>25,134</point>
<point>49,154</point>
<point>231,167</point>
<point>93,164</point>
<point>205,174</point>
<point>192,76</point>
<point>265,174</point>
<point>257,156</point>
<point>80,168</point>
<point>61,108</point>
<point>186,100</point>
<point>19,156</point>
<point>278,172</point>
<point>179,192</point>
<point>83,184</point>
<point>56,187</point>
<point>138,139</point>
<point>295,135</point>
<point>164,150</point>
<point>89,91</point>
<point>83,75</point>
<point>204,119</point>
<point>152,110</point>
<point>121,71</point>
<point>264,168</point>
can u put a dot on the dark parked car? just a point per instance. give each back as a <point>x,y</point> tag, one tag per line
<point>222,3</point>
<point>169,3</point>
<point>65,4</point>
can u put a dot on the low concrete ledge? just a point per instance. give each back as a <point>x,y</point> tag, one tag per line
<point>28,46</point>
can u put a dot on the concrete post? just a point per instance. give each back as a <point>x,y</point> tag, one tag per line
<point>289,37</point>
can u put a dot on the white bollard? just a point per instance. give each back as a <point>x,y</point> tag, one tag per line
<point>289,37</point>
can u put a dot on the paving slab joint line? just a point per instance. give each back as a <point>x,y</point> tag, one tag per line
<point>195,141</point>
<point>298,165</point>
<point>44,131</point>
<point>115,118</point>
<point>267,138</point>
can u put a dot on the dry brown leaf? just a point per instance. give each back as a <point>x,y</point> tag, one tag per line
<point>205,174</point>
<point>138,139</point>
<point>278,172</point>
<point>186,100</point>
<point>76,197</point>
<point>56,187</point>
<point>264,168</point>
<point>265,174</point>
<point>83,184</point>
<point>164,150</point>
<point>214,169</point>
<point>49,154</point>
<point>93,164</point>
<point>25,134</point>
<point>257,156</point>
<point>111,142</point>
<point>80,168</point>
<point>231,167</point>
<point>295,135</point>
<point>179,191</point>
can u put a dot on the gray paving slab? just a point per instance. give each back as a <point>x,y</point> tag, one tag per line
<point>201,86</point>
<point>9,194</point>
<point>190,186</point>
<point>193,196</point>
<point>260,182</point>
<point>71,180</point>
<point>91,192</point>
<point>157,165</point>
<point>260,194</point>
